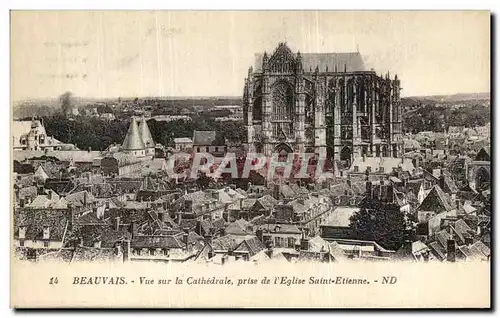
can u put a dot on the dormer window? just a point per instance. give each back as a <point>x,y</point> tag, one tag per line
<point>22,232</point>
<point>46,233</point>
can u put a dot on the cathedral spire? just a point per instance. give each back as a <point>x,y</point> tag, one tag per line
<point>299,62</point>
<point>265,61</point>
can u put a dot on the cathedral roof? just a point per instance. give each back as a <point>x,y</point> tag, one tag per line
<point>353,62</point>
<point>145,133</point>
<point>133,140</point>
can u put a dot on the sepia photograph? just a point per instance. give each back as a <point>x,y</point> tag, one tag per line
<point>250,159</point>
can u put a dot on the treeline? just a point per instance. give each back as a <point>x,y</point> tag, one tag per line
<point>432,118</point>
<point>98,134</point>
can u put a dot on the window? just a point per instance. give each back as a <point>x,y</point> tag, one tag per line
<point>356,169</point>
<point>206,149</point>
<point>21,243</point>
<point>46,244</point>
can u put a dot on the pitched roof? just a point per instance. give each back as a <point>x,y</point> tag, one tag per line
<point>145,134</point>
<point>251,245</point>
<point>166,241</point>
<point>80,199</point>
<point>352,60</point>
<point>225,243</point>
<point>482,248</point>
<point>435,198</point>
<point>35,221</point>
<point>267,201</point>
<point>133,140</point>
<point>208,138</point>
<point>95,254</point>
<point>239,227</point>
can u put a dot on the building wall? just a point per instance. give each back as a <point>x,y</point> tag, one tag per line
<point>342,114</point>
<point>37,244</point>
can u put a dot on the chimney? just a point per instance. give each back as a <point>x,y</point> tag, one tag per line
<point>199,228</point>
<point>260,234</point>
<point>84,198</point>
<point>117,223</point>
<point>118,249</point>
<point>450,244</point>
<point>451,250</point>
<point>188,205</point>
<point>390,193</point>
<point>133,229</point>
<point>304,244</point>
<point>442,182</point>
<point>126,251</point>
<point>185,236</point>
<point>364,157</point>
<point>426,256</point>
<point>369,189</point>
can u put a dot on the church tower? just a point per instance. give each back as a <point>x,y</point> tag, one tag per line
<point>133,143</point>
<point>146,137</point>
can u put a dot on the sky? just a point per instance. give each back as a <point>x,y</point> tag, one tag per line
<point>109,54</point>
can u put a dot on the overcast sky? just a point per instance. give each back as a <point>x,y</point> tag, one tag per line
<point>183,53</point>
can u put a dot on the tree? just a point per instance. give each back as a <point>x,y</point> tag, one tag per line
<point>381,222</point>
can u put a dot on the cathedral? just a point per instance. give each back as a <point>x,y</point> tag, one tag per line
<point>324,103</point>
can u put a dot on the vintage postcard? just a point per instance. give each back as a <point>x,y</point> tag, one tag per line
<point>250,159</point>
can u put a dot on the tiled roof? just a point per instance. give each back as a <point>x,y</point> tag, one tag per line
<point>225,243</point>
<point>267,201</point>
<point>79,199</point>
<point>239,227</point>
<point>28,192</point>
<point>168,241</point>
<point>251,245</point>
<point>95,254</point>
<point>36,220</point>
<point>483,248</point>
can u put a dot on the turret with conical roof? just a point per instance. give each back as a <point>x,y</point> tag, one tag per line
<point>133,142</point>
<point>146,137</point>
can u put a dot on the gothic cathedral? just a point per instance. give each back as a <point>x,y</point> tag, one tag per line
<point>326,103</point>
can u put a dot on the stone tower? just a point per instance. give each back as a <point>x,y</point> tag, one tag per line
<point>146,137</point>
<point>133,143</point>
